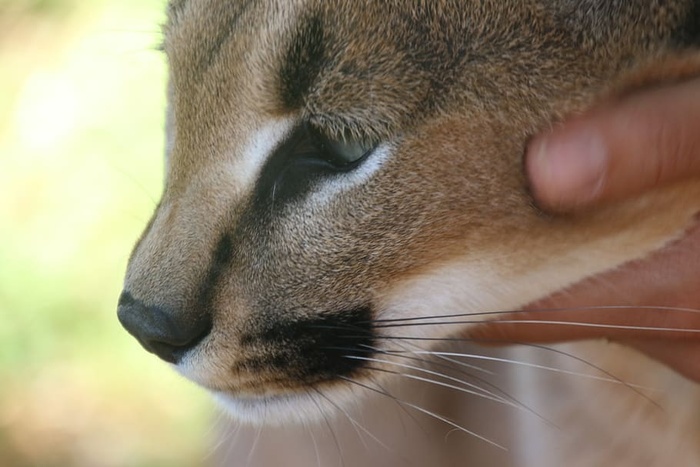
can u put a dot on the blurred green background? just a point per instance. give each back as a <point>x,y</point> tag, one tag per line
<point>81,125</point>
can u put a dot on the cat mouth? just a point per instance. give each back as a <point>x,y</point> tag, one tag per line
<point>286,370</point>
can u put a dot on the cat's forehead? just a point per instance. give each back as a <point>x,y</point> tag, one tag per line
<point>371,66</point>
<point>338,67</point>
<point>357,53</point>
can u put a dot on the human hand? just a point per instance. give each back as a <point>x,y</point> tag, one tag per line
<point>594,159</point>
<point>619,150</point>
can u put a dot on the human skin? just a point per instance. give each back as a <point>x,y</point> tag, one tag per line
<point>616,151</point>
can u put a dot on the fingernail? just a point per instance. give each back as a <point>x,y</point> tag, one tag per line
<point>568,170</point>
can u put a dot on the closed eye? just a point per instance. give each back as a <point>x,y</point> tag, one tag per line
<point>307,157</point>
<point>341,153</point>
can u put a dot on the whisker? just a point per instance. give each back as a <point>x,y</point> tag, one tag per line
<point>557,323</point>
<point>496,390</point>
<point>228,435</point>
<point>315,443</point>
<point>519,363</point>
<point>274,192</point>
<point>506,397</point>
<point>399,353</point>
<point>130,177</point>
<point>427,412</point>
<point>611,378</point>
<point>478,391</point>
<point>332,431</point>
<point>430,381</point>
<point>347,415</point>
<point>467,365</point>
<point>254,446</point>
<point>370,349</point>
<point>634,388</point>
<point>358,425</point>
<point>403,409</point>
<point>540,310</point>
<point>455,362</point>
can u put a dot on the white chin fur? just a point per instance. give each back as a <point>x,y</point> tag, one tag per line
<point>301,408</point>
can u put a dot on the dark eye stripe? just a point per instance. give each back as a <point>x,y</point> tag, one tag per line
<point>300,162</point>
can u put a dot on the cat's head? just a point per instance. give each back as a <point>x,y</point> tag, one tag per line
<point>337,171</point>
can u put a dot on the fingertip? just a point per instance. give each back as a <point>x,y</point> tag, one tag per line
<point>566,169</point>
<point>617,150</point>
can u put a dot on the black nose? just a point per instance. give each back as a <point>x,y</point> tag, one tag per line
<point>163,332</point>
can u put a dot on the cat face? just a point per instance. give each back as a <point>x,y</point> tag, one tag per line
<point>336,167</point>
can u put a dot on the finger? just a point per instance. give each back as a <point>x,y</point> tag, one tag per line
<point>619,150</point>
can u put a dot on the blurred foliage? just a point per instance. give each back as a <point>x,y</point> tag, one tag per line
<point>36,7</point>
<point>81,117</point>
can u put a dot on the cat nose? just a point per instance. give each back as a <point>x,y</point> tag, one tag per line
<point>161,331</point>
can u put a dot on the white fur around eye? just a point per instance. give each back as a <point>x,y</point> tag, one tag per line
<point>257,150</point>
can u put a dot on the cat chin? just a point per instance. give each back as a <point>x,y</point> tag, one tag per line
<point>278,410</point>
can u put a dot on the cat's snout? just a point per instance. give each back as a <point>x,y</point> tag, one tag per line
<point>162,331</point>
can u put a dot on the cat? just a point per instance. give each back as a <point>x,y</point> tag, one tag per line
<point>345,195</point>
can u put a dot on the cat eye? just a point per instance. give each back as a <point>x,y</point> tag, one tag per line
<point>342,153</point>
<point>307,157</point>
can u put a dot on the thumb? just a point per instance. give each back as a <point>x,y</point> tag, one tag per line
<point>619,150</point>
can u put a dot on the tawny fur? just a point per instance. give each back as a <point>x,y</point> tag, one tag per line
<point>449,92</point>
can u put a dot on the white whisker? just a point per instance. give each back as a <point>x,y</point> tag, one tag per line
<point>447,359</point>
<point>315,443</point>
<point>359,426</point>
<point>230,435</point>
<point>429,413</point>
<point>506,395</point>
<point>603,326</point>
<point>541,310</point>
<point>547,322</point>
<point>403,409</point>
<point>254,446</point>
<point>528,365</point>
<point>332,432</point>
<point>480,392</point>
